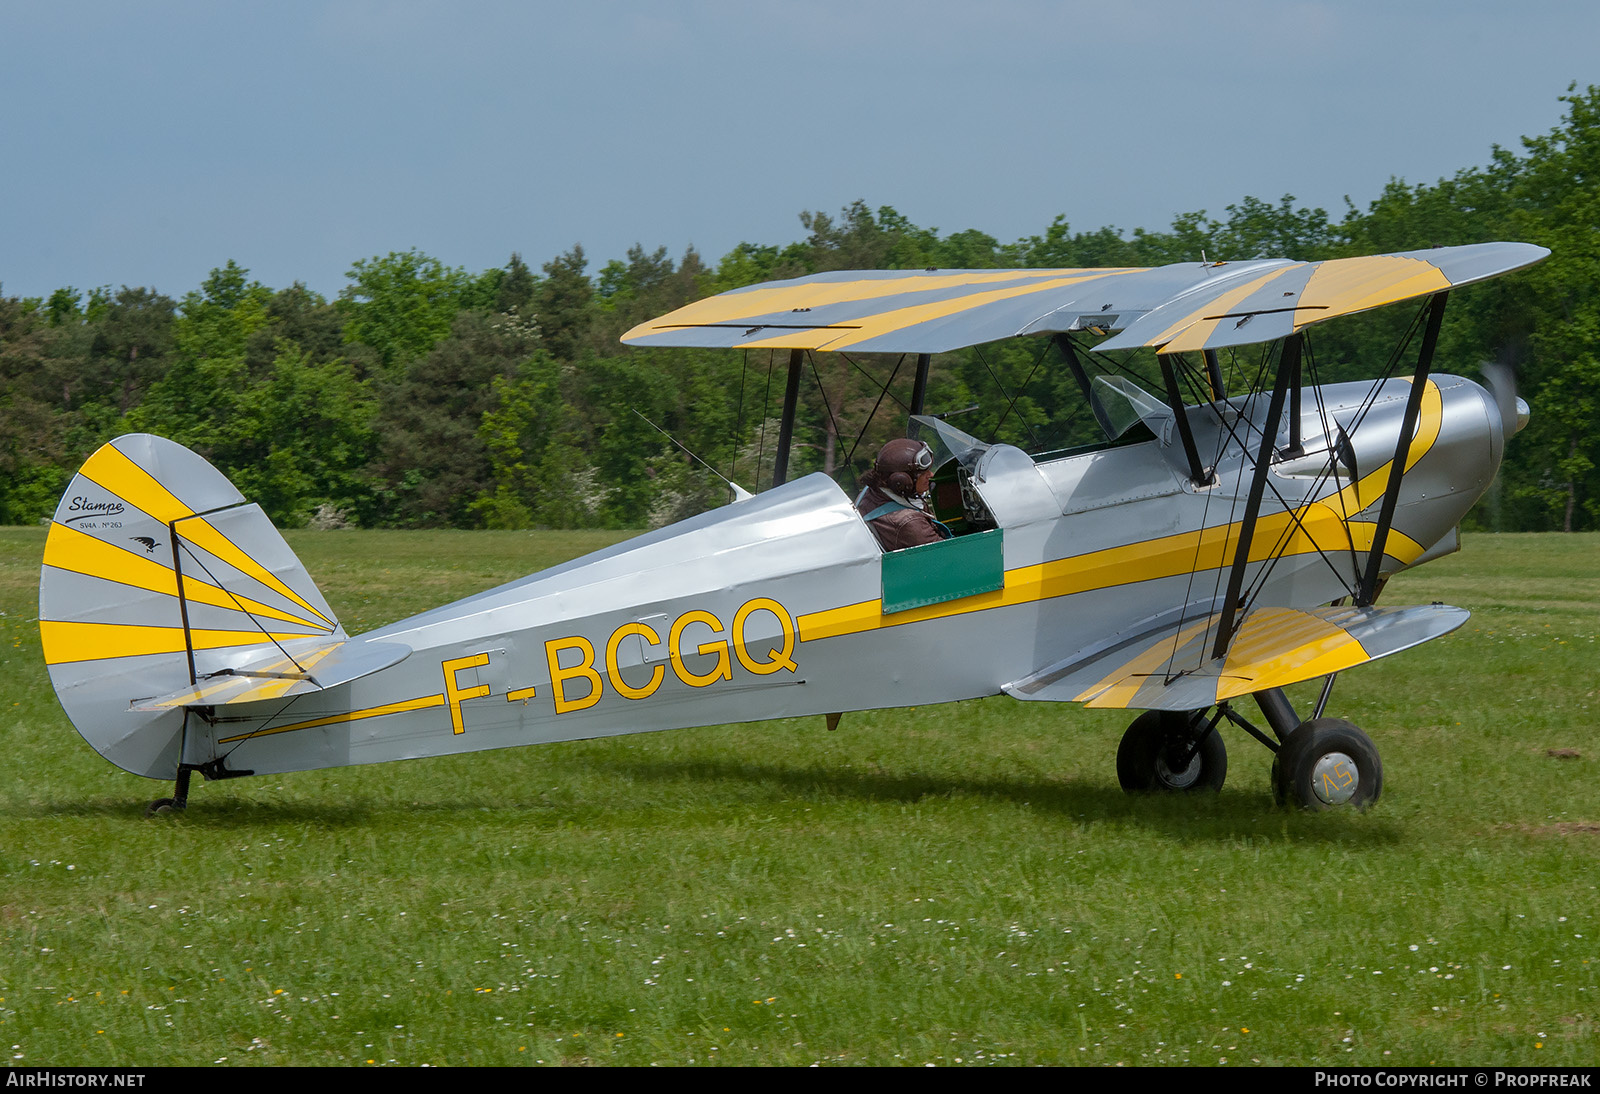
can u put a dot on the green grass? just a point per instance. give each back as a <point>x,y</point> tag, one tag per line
<point>963,883</point>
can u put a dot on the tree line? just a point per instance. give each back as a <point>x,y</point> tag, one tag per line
<point>427,396</point>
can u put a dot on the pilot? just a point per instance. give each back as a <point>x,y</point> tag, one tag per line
<point>892,498</point>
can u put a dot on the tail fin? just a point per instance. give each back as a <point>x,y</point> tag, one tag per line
<point>157,575</point>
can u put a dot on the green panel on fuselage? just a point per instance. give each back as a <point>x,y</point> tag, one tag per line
<point>947,570</point>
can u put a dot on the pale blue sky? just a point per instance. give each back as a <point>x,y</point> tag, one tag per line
<point>145,143</point>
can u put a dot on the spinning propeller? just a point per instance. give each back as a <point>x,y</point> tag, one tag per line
<point>1502,380</point>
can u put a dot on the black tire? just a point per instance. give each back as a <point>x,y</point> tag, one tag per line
<point>162,806</point>
<point>1316,766</point>
<point>1158,754</point>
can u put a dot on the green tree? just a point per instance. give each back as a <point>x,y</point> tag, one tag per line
<point>299,439</point>
<point>130,347</point>
<point>402,305</point>
<point>301,317</point>
<point>1257,229</point>
<point>515,293</point>
<point>564,302</point>
<point>431,464</point>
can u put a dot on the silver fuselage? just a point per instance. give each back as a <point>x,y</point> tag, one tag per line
<point>771,607</point>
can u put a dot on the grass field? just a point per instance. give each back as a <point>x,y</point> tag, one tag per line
<point>963,884</point>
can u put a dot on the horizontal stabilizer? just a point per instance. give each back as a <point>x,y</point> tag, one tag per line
<point>1170,667</point>
<point>283,673</point>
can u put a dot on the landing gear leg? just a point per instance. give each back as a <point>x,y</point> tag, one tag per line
<point>180,795</point>
<point>1279,713</point>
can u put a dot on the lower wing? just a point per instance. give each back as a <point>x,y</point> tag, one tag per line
<point>1170,667</point>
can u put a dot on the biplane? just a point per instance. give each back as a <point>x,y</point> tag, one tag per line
<point>1215,545</point>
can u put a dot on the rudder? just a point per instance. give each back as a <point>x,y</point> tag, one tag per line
<point>157,574</point>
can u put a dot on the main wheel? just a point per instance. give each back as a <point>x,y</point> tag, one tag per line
<point>1160,753</point>
<point>1327,763</point>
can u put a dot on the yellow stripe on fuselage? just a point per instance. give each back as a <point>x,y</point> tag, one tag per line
<point>1319,525</point>
<point>353,716</point>
<point>1258,652</point>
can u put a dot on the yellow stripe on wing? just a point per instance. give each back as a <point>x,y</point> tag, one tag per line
<point>1280,646</point>
<point>1192,330</point>
<point>1117,687</point>
<point>1344,286</point>
<point>732,307</point>
<point>874,326</point>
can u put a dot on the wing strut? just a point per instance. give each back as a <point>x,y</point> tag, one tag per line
<point>791,396</point>
<point>1287,368</point>
<point>1070,352</point>
<point>1293,356</point>
<point>919,390</point>
<point>1200,476</point>
<point>1219,390</point>
<point>1368,590</point>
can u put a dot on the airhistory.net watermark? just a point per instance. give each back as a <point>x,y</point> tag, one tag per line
<point>51,1078</point>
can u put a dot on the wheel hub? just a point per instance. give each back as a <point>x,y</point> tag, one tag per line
<point>1180,778</point>
<point>1335,778</point>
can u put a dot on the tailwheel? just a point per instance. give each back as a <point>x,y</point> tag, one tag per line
<point>1327,763</point>
<point>1171,751</point>
<point>180,796</point>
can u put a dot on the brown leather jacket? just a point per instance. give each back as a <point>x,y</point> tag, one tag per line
<point>899,528</point>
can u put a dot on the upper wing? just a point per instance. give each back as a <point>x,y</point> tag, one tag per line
<point>1184,306</point>
<point>1276,303</point>
<point>889,311</point>
<point>1169,667</point>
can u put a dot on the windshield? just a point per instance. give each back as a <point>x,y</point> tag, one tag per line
<point>1121,403</point>
<point>947,441</point>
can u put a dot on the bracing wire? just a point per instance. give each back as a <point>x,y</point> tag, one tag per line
<point>1367,403</point>
<point>995,434</point>
<point>738,429</point>
<point>884,391</point>
<point>259,625</point>
<point>823,393</point>
<point>1036,362</point>
<point>766,406</point>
